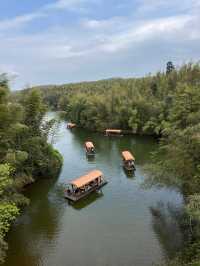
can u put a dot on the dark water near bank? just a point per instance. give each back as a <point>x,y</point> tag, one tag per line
<point>124,225</point>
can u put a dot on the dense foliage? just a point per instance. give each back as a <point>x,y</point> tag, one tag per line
<point>25,154</point>
<point>141,105</point>
<point>165,105</point>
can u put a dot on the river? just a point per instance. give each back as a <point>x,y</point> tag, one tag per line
<point>125,224</point>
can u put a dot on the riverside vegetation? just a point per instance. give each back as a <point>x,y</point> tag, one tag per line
<point>25,154</point>
<point>166,105</point>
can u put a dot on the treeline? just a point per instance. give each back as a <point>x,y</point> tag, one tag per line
<point>25,154</point>
<point>166,105</point>
<point>141,105</point>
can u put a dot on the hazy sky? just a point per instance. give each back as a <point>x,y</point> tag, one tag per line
<point>60,41</point>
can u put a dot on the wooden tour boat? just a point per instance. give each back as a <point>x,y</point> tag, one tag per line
<point>89,148</point>
<point>71,125</point>
<point>128,161</point>
<point>113,132</point>
<point>84,185</point>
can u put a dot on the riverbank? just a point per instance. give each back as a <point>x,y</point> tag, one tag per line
<point>25,154</point>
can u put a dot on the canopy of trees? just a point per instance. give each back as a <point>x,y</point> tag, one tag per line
<point>25,154</point>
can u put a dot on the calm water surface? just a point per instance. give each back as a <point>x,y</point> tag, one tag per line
<point>121,226</point>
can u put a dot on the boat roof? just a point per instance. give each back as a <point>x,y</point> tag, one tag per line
<point>113,130</point>
<point>86,179</point>
<point>71,124</point>
<point>127,156</point>
<point>89,144</point>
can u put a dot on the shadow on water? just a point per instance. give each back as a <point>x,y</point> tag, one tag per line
<point>85,202</point>
<point>129,173</point>
<point>32,229</point>
<point>166,223</point>
<point>90,158</point>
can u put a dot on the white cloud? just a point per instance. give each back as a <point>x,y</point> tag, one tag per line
<point>67,4</point>
<point>19,20</point>
<point>103,24</point>
<point>60,44</point>
<point>159,5</point>
<point>72,5</point>
<point>94,24</point>
<point>118,34</point>
<point>160,28</point>
<point>62,52</point>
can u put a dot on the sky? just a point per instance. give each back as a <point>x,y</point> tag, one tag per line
<point>62,41</point>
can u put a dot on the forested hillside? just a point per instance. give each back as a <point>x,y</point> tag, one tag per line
<point>141,104</point>
<point>25,154</point>
<point>166,105</point>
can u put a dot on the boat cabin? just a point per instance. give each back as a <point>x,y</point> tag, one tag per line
<point>71,125</point>
<point>89,148</point>
<point>128,161</point>
<point>84,185</point>
<point>113,132</point>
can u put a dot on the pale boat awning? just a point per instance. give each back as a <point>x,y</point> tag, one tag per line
<point>89,145</point>
<point>86,179</point>
<point>71,125</point>
<point>127,156</point>
<point>117,131</point>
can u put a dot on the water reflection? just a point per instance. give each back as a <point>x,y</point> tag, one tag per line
<point>166,222</point>
<point>33,229</point>
<point>90,158</point>
<point>85,202</point>
<point>129,173</point>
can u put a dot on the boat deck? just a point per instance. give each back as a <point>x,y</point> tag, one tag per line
<point>113,135</point>
<point>90,153</point>
<point>129,168</point>
<point>77,197</point>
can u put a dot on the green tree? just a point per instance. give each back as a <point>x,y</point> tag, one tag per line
<point>34,110</point>
<point>170,67</point>
<point>8,209</point>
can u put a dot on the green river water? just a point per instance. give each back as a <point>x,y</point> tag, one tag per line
<point>122,225</point>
